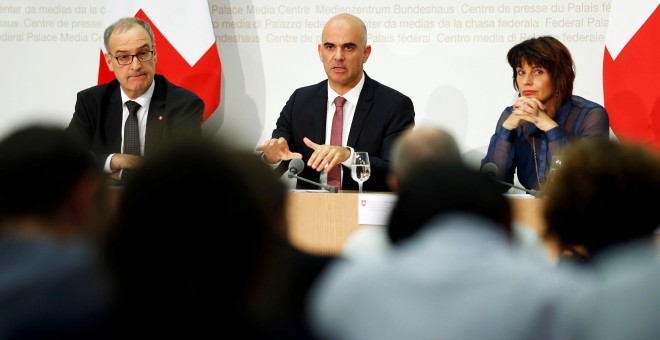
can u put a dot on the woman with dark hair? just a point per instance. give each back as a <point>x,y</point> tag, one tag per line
<point>545,116</point>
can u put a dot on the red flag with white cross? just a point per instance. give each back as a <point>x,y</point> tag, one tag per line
<point>185,44</point>
<point>631,71</point>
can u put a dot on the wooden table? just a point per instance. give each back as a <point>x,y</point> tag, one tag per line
<point>321,223</point>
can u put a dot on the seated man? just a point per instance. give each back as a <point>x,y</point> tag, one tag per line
<point>131,116</point>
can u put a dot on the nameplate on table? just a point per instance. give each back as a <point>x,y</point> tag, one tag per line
<point>375,208</point>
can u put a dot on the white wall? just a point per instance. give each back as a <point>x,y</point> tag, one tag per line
<point>462,84</point>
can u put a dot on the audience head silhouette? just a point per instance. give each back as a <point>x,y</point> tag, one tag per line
<point>436,187</point>
<point>419,145</point>
<point>600,195</point>
<point>41,168</point>
<point>51,205</point>
<point>188,238</point>
<point>454,261</point>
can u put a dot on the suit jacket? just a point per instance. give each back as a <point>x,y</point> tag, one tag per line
<point>174,112</point>
<point>382,113</point>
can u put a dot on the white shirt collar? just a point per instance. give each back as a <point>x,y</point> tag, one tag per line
<point>144,100</point>
<point>351,96</point>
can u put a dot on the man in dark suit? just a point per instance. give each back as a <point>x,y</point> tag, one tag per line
<point>373,114</point>
<point>166,111</point>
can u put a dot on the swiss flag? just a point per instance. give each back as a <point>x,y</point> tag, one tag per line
<point>631,71</point>
<point>185,44</point>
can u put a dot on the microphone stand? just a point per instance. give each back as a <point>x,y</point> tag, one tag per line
<point>330,188</point>
<point>533,192</point>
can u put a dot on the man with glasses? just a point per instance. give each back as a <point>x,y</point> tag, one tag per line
<point>165,111</point>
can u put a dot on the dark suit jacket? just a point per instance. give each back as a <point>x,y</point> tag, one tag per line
<point>382,113</point>
<point>174,112</point>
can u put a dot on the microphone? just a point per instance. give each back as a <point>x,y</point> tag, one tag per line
<point>491,170</point>
<point>296,166</point>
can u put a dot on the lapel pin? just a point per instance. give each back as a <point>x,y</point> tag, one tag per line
<point>160,117</point>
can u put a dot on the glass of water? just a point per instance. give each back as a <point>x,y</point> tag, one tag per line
<point>361,168</point>
<point>554,167</point>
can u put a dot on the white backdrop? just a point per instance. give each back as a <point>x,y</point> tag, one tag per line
<point>448,56</point>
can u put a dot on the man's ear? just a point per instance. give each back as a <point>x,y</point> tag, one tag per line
<point>367,53</point>
<point>155,54</point>
<point>108,61</point>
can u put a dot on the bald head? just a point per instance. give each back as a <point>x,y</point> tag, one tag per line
<point>348,22</point>
<point>419,145</point>
<point>343,51</point>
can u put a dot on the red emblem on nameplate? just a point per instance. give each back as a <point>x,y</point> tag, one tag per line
<point>363,202</point>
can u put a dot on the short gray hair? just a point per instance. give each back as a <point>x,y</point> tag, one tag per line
<point>123,25</point>
<point>419,145</point>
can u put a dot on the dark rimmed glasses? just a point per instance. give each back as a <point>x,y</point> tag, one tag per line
<point>127,59</point>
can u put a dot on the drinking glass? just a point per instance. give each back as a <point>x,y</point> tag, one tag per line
<point>361,168</point>
<point>554,167</point>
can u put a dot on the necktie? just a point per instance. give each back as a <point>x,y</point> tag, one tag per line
<point>131,130</point>
<point>334,176</point>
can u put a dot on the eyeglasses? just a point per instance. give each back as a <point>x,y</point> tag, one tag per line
<point>128,59</point>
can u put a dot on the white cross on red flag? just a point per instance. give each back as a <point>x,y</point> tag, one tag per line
<point>631,71</point>
<point>185,43</point>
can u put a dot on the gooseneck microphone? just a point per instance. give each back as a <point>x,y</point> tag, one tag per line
<point>296,166</point>
<point>491,170</point>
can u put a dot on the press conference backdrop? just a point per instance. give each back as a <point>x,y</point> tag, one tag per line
<point>448,56</point>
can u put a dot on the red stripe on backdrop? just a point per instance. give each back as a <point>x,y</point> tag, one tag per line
<point>203,78</point>
<point>631,86</point>
<point>105,75</point>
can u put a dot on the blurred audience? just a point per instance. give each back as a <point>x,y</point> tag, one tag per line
<point>412,212</point>
<point>279,302</point>
<point>601,207</point>
<point>602,196</point>
<point>414,149</point>
<point>626,301</point>
<point>199,249</point>
<point>52,202</point>
<point>418,145</point>
<point>186,243</point>
<point>452,274</point>
<point>411,149</point>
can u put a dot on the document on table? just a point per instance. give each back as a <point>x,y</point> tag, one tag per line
<point>375,208</point>
<point>518,195</point>
<point>309,190</point>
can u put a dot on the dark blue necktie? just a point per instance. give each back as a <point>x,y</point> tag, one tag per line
<point>132,130</point>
